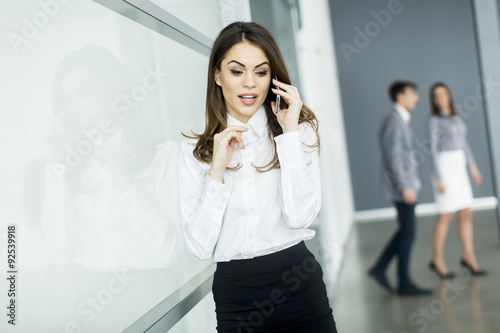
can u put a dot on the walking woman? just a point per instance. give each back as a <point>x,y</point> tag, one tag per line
<point>250,187</point>
<point>450,156</point>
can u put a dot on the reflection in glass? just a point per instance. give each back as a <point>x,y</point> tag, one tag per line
<point>111,186</point>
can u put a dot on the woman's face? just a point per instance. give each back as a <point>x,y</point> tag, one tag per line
<point>442,98</point>
<point>88,98</point>
<point>244,77</point>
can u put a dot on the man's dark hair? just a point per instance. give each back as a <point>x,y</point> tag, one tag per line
<point>399,87</point>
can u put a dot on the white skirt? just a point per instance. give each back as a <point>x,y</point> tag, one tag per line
<point>452,166</point>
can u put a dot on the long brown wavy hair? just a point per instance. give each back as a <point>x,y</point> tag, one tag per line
<point>434,108</point>
<point>216,112</point>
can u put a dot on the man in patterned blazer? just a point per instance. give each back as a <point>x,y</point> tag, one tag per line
<point>400,182</point>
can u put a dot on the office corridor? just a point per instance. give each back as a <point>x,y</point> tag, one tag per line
<point>463,305</point>
<point>99,96</point>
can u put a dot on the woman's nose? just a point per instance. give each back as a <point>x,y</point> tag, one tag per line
<point>249,80</point>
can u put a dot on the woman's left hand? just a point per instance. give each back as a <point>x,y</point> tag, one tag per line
<point>288,118</point>
<point>476,175</point>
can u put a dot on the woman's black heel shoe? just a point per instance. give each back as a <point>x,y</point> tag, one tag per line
<point>479,272</point>
<point>433,267</point>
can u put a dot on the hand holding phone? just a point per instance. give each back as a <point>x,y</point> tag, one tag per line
<point>288,117</point>
<point>278,98</point>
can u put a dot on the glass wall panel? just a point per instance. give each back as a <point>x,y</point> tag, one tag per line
<point>206,16</point>
<point>93,106</point>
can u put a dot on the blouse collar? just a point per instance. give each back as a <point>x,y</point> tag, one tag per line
<point>257,122</point>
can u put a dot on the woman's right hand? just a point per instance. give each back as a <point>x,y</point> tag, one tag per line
<point>440,186</point>
<point>224,143</point>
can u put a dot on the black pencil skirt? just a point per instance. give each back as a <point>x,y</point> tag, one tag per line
<point>279,292</point>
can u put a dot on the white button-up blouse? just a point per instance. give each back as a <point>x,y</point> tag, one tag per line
<point>252,213</point>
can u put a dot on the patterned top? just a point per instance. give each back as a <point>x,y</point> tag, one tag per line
<point>447,134</point>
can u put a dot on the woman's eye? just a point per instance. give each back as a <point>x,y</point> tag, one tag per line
<point>263,73</point>
<point>236,72</point>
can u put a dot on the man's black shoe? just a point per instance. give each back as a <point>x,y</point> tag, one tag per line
<point>381,279</point>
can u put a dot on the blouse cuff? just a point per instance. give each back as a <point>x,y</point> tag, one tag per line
<point>290,151</point>
<point>216,195</point>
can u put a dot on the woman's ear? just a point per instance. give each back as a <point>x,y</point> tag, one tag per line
<point>217,77</point>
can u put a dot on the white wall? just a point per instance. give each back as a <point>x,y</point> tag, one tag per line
<point>320,90</point>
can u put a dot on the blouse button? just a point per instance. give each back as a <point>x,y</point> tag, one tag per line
<point>252,210</point>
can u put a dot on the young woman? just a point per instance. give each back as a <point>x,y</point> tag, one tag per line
<point>250,188</point>
<point>450,155</point>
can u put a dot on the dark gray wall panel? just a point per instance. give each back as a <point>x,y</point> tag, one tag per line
<point>424,41</point>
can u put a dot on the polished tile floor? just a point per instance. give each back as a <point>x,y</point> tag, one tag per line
<point>463,305</point>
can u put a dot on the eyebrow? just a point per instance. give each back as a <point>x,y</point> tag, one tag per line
<point>239,63</point>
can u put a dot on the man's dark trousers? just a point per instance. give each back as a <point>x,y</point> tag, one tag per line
<point>400,244</point>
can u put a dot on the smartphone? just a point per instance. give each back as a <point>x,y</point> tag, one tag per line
<point>278,98</point>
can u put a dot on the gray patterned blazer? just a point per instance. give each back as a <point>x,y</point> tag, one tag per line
<point>400,159</point>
